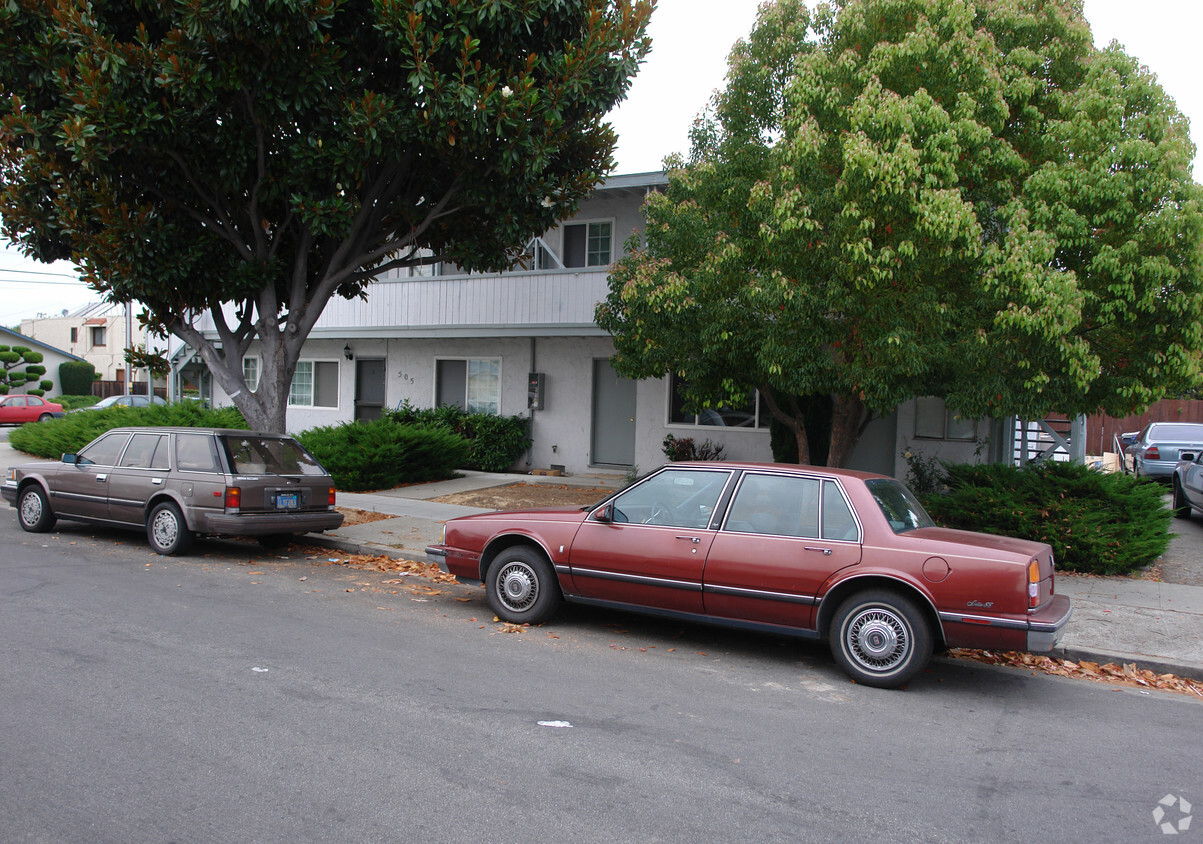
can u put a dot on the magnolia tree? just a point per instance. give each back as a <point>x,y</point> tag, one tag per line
<point>267,156</point>
<point>898,198</point>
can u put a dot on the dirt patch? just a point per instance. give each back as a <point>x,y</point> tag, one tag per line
<point>522,496</point>
<point>360,517</point>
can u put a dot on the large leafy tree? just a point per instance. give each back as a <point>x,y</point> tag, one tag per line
<point>243,161</point>
<point>894,198</point>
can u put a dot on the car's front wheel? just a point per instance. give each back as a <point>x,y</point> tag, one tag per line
<point>33,510</point>
<point>45,416</point>
<point>167,531</point>
<point>522,587</point>
<point>1181,506</point>
<point>880,638</point>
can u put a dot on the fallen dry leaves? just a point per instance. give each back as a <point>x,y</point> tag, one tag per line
<point>1126,675</point>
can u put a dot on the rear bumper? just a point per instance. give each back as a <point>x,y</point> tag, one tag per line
<point>265,524</point>
<point>1047,625</point>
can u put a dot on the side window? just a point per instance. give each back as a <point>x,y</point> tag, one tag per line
<point>778,505</point>
<point>141,452</point>
<point>104,452</point>
<point>196,453</point>
<point>676,497</point>
<point>838,521</point>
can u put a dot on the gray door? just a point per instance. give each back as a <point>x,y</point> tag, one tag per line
<point>369,388</point>
<point>613,440</point>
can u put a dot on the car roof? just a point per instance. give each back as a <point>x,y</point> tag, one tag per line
<point>233,432</point>
<point>781,467</point>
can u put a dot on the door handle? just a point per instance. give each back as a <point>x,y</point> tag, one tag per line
<point>825,551</point>
<point>156,481</point>
<point>101,478</point>
<point>692,539</point>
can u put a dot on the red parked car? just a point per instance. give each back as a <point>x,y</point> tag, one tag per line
<point>844,556</point>
<point>17,410</point>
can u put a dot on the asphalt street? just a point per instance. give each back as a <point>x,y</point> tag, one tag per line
<point>235,695</point>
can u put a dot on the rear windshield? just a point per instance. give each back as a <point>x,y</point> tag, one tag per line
<point>1170,433</point>
<point>901,509</point>
<point>270,456</point>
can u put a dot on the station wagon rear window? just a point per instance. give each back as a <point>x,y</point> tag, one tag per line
<point>269,456</point>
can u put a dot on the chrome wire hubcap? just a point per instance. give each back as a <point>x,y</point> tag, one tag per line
<point>518,586</point>
<point>877,639</point>
<point>165,529</point>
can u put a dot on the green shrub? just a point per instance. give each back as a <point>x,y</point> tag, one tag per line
<point>678,449</point>
<point>76,376</point>
<point>73,402</point>
<point>382,454</point>
<point>497,442</point>
<point>1097,523</point>
<point>55,437</point>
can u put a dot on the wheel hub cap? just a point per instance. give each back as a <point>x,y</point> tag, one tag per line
<point>877,639</point>
<point>518,587</point>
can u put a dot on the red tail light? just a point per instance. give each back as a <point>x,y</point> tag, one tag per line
<point>1034,583</point>
<point>331,502</point>
<point>233,498</point>
<point>1152,453</point>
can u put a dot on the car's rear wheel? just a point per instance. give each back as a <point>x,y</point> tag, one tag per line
<point>880,638</point>
<point>33,510</point>
<point>522,586</point>
<point>45,416</point>
<point>167,531</point>
<point>1181,506</point>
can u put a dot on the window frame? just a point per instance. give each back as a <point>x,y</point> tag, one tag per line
<point>760,421</point>
<point>314,384</point>
<point>100,331</point>
<point>468,361</point>
<point>255,361</point>
<point>588,225</point>
<point>931,412</point>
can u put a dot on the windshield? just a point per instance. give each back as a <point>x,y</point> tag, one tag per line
<point>901,509</point>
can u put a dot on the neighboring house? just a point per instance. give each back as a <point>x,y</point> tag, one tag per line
<point>96,333</point>
<point>524,342</point>
<point>51,358</point>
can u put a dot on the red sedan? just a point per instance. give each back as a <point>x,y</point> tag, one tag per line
<point>848,557</point>
<point>17,410</point>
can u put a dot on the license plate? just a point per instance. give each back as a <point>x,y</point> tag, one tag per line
<point>287,501</point>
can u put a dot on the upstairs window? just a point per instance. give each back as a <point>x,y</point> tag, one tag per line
<point>588,244</point>
<point>98,335</point>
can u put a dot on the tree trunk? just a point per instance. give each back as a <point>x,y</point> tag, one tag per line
<point>794,419</point>
<point>848,422</point>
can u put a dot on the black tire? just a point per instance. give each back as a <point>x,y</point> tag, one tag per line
<point>522,586</point>
<point>1181,506</point>
<point>167,531</point>
<point>45,416</point>
<point>33,510</point>
<point>880,638</point>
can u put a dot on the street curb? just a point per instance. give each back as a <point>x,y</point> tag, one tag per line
<point>1178,669</point>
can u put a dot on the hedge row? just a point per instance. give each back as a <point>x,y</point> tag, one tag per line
<point>55,437</point>
<point>382,454</point>
<point>496,442</point>
<point>1097,523</point>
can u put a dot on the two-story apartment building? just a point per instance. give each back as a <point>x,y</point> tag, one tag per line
<point>96,333</point>
<point>524,342</point>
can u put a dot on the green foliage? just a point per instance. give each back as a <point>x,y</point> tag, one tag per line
<point>925,474</point>
<point>382,454</point>
<point>678,449</point>
<point>76,377</point>
<point>497,442</point>
<point>55,437</point>
<point>895,198</point>
<point>74,402</point>
<point>273,155</point>
<point>1096,523</point>
<point>20,365</point>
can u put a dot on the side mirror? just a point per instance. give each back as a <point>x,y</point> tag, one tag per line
<point>605,514</point>
<point>70,459</point>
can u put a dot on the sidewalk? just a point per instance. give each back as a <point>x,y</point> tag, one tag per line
<point>1157,625</point>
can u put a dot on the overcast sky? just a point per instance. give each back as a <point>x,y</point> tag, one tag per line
<point>691,39</point>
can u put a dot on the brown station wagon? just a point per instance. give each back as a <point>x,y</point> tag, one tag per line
<point>844,556</point>
<point>179,482</point>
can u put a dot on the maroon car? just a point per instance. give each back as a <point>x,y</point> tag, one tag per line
<point>845,556</point>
